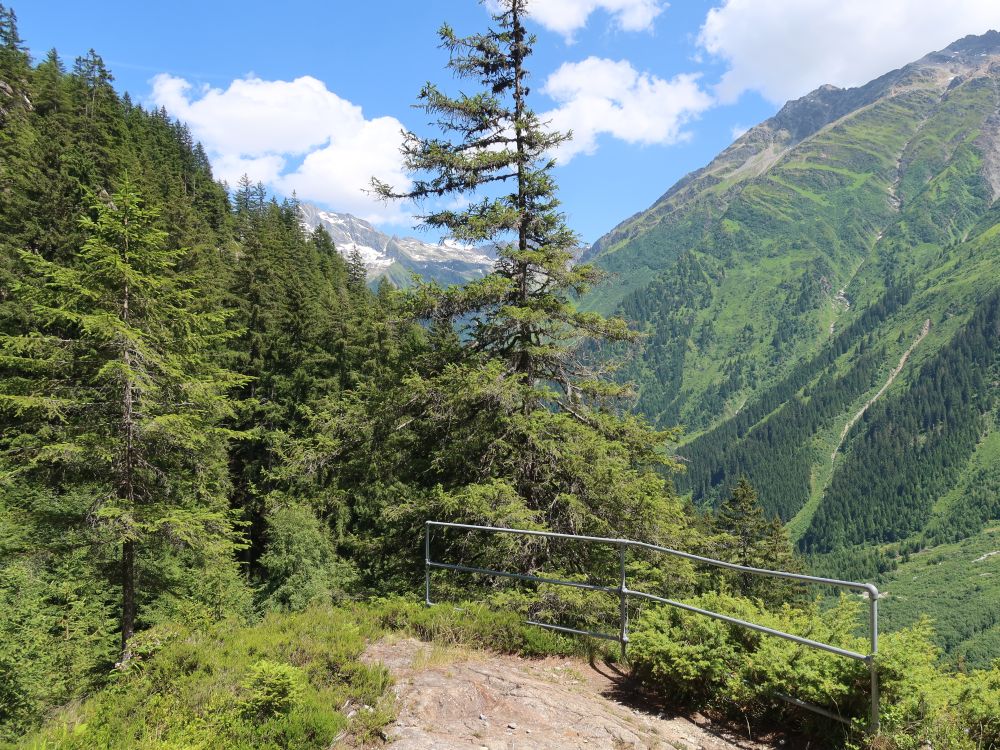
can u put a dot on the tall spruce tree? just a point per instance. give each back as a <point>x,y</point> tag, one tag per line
<point>509,423</point>
<point>522,312</point>
<point>748,537</point>
<point>119,394</point>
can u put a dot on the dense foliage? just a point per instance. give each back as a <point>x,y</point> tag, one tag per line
<point>818,309</point>
<point>711,663</point>
<point>216,438</point>
<point>289,681</point>
<point>207,414</point>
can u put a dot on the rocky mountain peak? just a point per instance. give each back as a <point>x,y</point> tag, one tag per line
<point>988,43</point>
<point>397,258</point>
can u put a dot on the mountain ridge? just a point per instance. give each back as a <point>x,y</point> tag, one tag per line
<point>800,118</point>
<point>397,258</point>
<point>780,286</point>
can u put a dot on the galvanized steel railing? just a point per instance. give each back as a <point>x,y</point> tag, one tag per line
<point>623,592</point>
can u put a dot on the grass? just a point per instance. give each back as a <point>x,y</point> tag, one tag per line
<point>289,681</point>
<point>958,587</point>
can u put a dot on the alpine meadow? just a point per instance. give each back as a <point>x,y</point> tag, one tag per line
<point>227,417</point>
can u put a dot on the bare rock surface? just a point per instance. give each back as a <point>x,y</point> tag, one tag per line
<point>450,698</point>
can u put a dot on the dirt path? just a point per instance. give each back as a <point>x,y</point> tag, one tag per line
<point>892,376</point>
<point>450,697</point>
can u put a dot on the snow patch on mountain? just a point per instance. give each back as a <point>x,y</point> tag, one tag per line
<point>447,259</point>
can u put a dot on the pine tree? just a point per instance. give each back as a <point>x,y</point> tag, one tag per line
<point>522,312</point>
<point>749,538</point>
<point>18,140</point>
<point>11,43</point>
<point>121,394</point>
<point>357,272</point>
<point>519,427</point>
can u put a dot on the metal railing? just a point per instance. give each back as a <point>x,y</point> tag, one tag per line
<point>623,592</point>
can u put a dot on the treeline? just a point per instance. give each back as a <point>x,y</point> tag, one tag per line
<point>926,434</point>
<point>769,439</point>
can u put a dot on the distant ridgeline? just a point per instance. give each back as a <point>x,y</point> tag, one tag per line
<point>781,285</point>
<point>397,259</point>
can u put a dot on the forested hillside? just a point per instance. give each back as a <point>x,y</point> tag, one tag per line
<point>821,310</point>
<point>207,415</point>
<point>159,348</point>
<point>219,445</point>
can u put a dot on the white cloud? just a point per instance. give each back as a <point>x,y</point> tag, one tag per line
<point>599,96</point>
<point>258,127</point>
<point>786,48</point>
<point>737,130</point>
<point>569,16</point>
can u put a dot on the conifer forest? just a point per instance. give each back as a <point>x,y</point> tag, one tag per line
<point>221,436</point>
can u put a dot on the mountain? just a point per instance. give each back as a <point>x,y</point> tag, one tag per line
<point>820,305</point>
<point>397,258</point>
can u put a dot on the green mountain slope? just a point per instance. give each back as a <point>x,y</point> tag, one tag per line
<point>822,313</point>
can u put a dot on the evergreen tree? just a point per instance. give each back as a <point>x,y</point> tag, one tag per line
<point>357,273</point>
<point>748,537</point>
<point>11,43</point>
<point>18,141</point>
<point>522,312</point>
<point>504,420</point>
<point>121,393</point>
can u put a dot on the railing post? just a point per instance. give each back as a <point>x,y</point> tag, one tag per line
<point>623,603</point>
<point>873,595</point>
<point>427,563</point>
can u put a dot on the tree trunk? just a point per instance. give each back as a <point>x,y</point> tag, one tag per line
<point>128,599</point>
<point>126,488</point>
<point>524,364</point>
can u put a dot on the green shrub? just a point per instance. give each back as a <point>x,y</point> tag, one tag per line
<point>272,689</point>
<point>703,662</point>
<point>707,662</point>
<point>283,683</point>
<point>979,702</point>
<point>300,564</point>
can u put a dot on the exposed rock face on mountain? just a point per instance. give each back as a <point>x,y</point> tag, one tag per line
<point>397,258</point>
<point>782,286</point>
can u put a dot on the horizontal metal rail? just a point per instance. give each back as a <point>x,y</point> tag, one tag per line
<point>524,577</point>
<point>814,708</point>
<point>753,626</point>
<point>561,629</point>
<point>623,592</point>
<point>866,587</point>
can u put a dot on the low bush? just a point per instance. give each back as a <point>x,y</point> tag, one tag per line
<point>291,681</point>
<point>697,661</point>
<point>296,680</point>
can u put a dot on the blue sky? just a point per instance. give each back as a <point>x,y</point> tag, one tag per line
<point>311,96</point>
